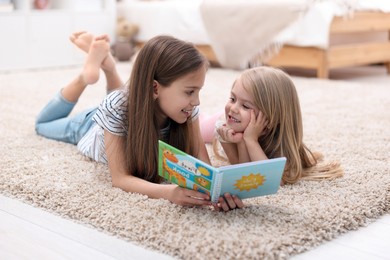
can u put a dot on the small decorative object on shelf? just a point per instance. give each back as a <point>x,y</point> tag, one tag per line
<point>124,47</point>
<point>41,4</point>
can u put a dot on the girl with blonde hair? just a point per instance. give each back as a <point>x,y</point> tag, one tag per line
<point>263,120</point>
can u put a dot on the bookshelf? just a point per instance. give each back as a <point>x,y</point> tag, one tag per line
<point>38,38</point>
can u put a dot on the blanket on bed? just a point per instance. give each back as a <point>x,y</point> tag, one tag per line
<point>239,29</point>
<point>244,30</point>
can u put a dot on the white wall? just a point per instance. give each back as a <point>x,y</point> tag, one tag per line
<point>32,38</point>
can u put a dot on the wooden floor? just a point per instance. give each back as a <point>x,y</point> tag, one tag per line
<point>30,233</point>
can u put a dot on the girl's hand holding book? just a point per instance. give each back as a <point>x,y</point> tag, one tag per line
<point>228,202</point>
<point>185,197</point>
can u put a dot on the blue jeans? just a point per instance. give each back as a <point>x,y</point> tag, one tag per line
<point>53,121</point>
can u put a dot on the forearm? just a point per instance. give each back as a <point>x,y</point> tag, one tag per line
<point>243,155</point>
<point>122,178</point>
<point>171,192</point>
<point>231,152</point>
<point>134,184</point>
<point>255,152</point>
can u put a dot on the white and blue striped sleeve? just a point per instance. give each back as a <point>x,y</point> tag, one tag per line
<point>112,113</point>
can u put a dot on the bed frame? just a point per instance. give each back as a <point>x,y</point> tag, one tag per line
<point>336,56</point>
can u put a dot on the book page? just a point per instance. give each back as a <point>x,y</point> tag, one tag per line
<point>252,179</point>
<point>185,170</point>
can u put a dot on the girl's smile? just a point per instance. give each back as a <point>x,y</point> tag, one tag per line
<point>188,112</point>
<point>232,119</point>
<point>177,101</point>
<point>238,108</point>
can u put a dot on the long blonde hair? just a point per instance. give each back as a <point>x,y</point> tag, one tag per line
<point>164,59</point>
<point>275,95</point>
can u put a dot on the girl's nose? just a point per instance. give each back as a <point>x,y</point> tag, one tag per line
<point>195,101</point>
<point>234,108</point>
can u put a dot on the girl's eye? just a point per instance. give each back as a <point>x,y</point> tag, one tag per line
<point>189,93</point>
<point>232,99</point>
<point>246,106</point>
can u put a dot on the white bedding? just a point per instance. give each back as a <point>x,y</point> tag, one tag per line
<point>179,18</point>
<point>183,19</point>
<point>312,29</point>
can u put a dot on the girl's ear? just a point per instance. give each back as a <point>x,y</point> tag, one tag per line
<point>156,87</point>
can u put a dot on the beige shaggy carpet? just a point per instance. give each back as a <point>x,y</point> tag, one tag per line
<point>346,121</point>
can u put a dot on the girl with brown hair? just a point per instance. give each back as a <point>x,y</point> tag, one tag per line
<point>160,101</point>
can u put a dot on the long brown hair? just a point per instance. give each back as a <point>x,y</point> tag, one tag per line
<point>164,59</point>
<point>275,95</point>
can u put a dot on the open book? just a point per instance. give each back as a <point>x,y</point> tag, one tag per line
<point>245,180</point>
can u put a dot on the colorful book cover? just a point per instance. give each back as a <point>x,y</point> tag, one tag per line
<point>245,180</point>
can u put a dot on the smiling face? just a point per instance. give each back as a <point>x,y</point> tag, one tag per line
<point>238,108</point>
<point>177,100</point>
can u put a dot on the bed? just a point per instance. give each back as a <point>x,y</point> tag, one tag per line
<point>343,35</point>
<point>361,40</point>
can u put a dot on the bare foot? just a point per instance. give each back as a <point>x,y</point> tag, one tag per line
<point>83,40</point>
<point>98,51</point>
<point>108,64</point>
